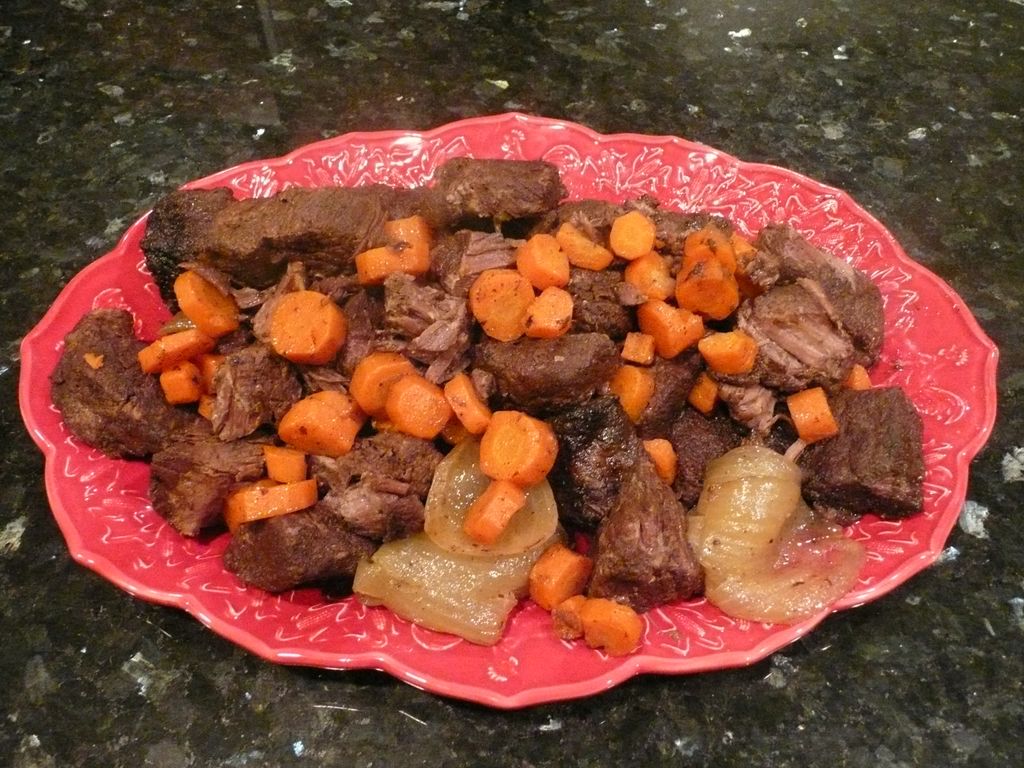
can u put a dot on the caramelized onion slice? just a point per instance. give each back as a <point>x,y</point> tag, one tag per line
<point>811,578</point>
<point>458,482</point>
<point>765,556</point>
<point>468,596</point>
<point>749,494</point>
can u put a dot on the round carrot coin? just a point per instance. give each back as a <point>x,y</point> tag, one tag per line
<point>307,327</point>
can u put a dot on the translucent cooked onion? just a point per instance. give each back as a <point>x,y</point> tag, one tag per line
<point>765,556</point>
<point>748,495</point>
<point>458,482</point>
<point>176,324</point>
<point>465,595</point>
<point>815,575</point>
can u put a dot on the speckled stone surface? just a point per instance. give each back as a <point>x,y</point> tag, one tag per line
<point>917,109</point>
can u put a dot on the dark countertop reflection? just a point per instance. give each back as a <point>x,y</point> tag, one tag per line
<point>916,110</point>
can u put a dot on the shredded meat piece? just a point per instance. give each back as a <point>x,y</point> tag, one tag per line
<point>253,387</point>
<point>752,405</point>
<point>435,324</point>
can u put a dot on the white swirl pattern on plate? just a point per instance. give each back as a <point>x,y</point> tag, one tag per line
<point>102,508</point>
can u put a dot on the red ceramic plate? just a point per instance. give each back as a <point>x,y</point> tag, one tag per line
<point>934,349</point>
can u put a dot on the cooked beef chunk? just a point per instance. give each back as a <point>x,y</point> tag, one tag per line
<point>338,287</point>
<point>114,407</point>
<point>253,387</point>
<point>593,218</point>
<point>418,201</point>
<point>365,314</point>
<point>875,464</point>
<point>597,447</point>
<point>191,477</point>
<point>178,230</point>
<point>306,547</point>
<point>856,300</point>
<point>457,259</point>
<point>751,405</point>
<point>698,439</point>
<point>597,306</point>
<point>435,324</point>
<point>641,555</point>
<point>324,228</point>
<point>799,344</point>
<point>377,514</point>
<point>544,375</point>
<point>498,189</point>
<point>385,456</point>
<point>672,227</point>
<point>379,487</point>
<point>673,380</point>
<point>237,340</point>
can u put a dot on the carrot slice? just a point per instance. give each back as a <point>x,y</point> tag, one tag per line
<point>673,328</point>
<point>730,353</point>
<point>566,618</point>
<point>632,235</point>
<point>581,250</point>
<point>517,447</point>
<point>812,415</point>
<point>500,299</point>
<point>489,516</point>
<point>93,360</point>
<point>710,241</point>
<point>259,501</point>
<point>307,327</point>
<point>417,407</point>
<point>374,265</point>
<point>211,311</point>
<point>373,376</point>
<point>209,363</point>
<point>558,574</point>
<point>550,314</point>
<point>706,286</point>
<point>664,457</point>
<point>638,348</point>
<point>180,383</point>
<point>858,378</point>
<point>469,409</point>
<point>284,465</point>
<point>325,423</point>
<point>650,275</point>
<point>704,393</point>
<point>611,626</point>
<point>410,237</point>
<point>542,262</point>
<point>407,250</point>
<point>634,387</point>
<point>168,351</point>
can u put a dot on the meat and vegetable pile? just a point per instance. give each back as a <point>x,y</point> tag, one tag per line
<point>451,397</point>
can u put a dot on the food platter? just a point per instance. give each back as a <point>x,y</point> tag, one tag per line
<point>934,349</point>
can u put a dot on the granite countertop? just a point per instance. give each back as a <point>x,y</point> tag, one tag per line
<point>918,112</point>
